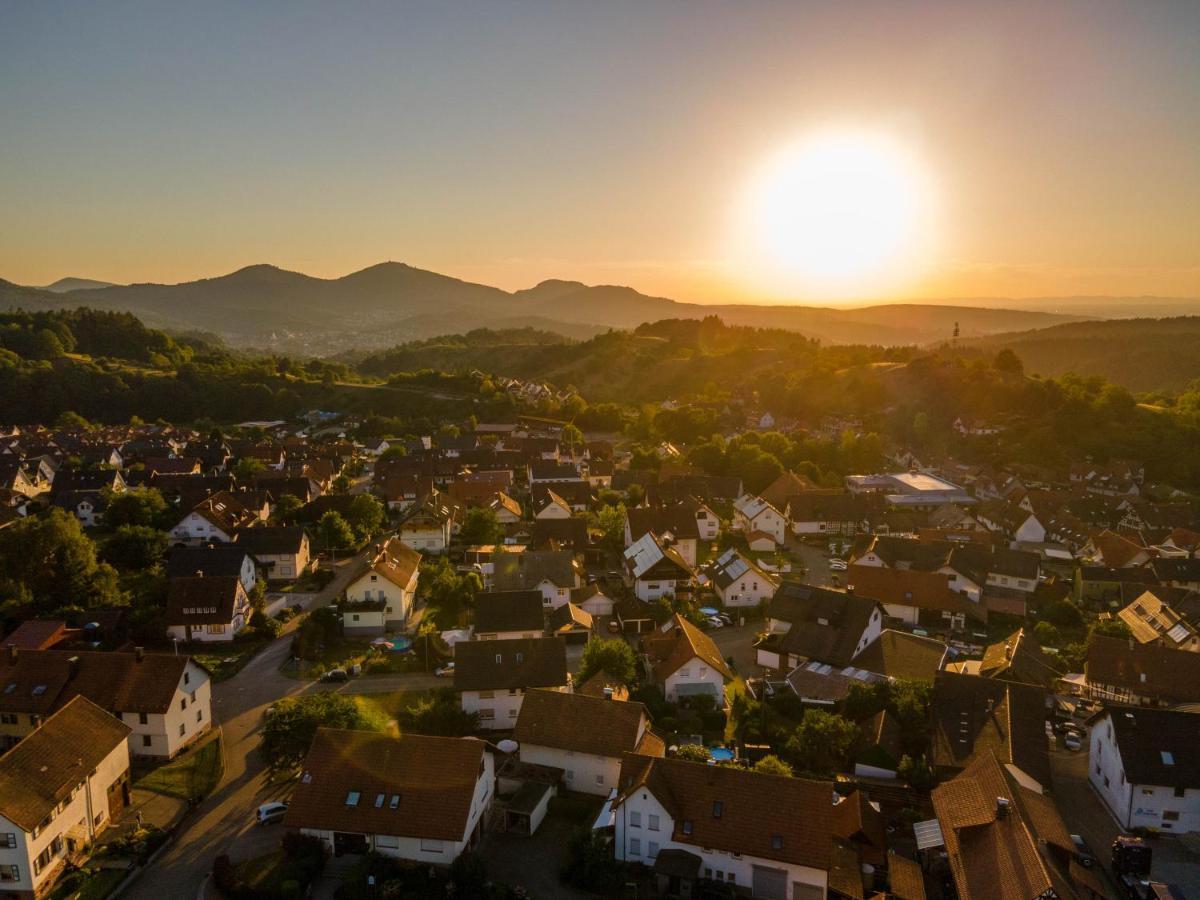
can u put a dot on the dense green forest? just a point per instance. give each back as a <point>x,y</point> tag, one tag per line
<point>1161,355</point>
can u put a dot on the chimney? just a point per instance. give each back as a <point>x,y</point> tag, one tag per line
<point>139,653</point>
<point>608,693</point>
<point>1001,807</point>
<point>199,573</point>
<point>12,653</point>
<point>72,668</point>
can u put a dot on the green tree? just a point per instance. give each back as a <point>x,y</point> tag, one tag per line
<point>611,655</point>
<point>335,531</point>
<point>590,864</point>
<point>821,743</point>
<point>365,516</point>
<point>692,753</point>
<point>285,508</point>
<point>56,562</point>
<point>1008,362</point>
<point>448,592</point>
<point>439,713</point>
<point>610,522</point>
<point>136,506</point>
<point>772,765</point>
<point>341,484</point>
<point>136,547</point>
<point>480,526</point>
<point>247,469</point>
<point>1047,635</point>
<point>290,729</point>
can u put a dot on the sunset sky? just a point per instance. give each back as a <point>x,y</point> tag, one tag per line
<point>1052,148</point>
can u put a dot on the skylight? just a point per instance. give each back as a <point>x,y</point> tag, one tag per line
<point>352,798</point>
<point>777,842</point>
<point>379,798</point>
<point>1168,757</point>
<point>718,808</point>
<point>395,801</point>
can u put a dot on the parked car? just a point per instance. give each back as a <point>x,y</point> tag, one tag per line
<point>714,622</point>
<point>270,812</point>
<point>837,565</point>
<point>446,671</point>
<point>334,675</point>
<point>1072,741</point>
<point>1083,853</point>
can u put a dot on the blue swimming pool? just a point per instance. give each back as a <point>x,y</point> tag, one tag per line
<point>401,644</point>
<point>720,754</point>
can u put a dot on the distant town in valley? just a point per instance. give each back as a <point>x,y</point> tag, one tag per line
<point>600,451</point>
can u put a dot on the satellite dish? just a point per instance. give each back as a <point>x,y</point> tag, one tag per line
<point>507,746</point>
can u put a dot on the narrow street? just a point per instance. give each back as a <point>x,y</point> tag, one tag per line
<point>225,816</point>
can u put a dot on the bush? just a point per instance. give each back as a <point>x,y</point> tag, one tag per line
<point>266,626</point>
<point>590,865</point>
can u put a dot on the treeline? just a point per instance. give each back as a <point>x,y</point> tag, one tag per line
<point>53,334</point>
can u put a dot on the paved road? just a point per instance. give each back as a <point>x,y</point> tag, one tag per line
<point>222,824</point>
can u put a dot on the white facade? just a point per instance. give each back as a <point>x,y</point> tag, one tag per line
<point>426,538</point>
<point>371,586</point>
<point>216,632</point>
<point>194,528</point>
<point>38,860</point>
<point>586,773</point>
<point>750,589</point>
<point>188,717</point>
<point>752,514</point>
<point>644,828</point>
<point>1137,805</point>
<point>430,850</point>
<point>497,710</point>
<point>695,671</point>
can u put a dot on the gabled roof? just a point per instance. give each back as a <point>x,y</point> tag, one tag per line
<point>509,611</point>
<point>647,556</point>
<point>732,565</point>
<point>1019,658</point>
<point>525,571</point>
<point>906,587</point>
<point>752,507</point>
<point>736,811</point>
<point>825,625</point>
<point>37,681</point>
<point>1145,669</point>
<point>271,540</point>
<point>391,559</point>
<point>50,763</point>
<point>898,654</point>
<point>410,786</point>
<point>1158,746</point>
<point>973,716</point>
<point>994,831</point>
<point>1152,617</point>
<point>676,643</point>
<point>203,599</point>
<point>586,724</point>
<point>677,520</point>
<point>786,485</point>
<point>215,560</point>
<point>502,665</point>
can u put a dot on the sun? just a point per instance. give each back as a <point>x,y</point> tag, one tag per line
<point>837,212</point>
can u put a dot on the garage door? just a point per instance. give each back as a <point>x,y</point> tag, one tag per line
<point>770,884</point>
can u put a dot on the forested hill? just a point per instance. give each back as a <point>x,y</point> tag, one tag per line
<point>1139,354</point>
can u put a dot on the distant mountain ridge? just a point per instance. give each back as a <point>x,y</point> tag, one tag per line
<point>63,285</point>
<point>390,303</point>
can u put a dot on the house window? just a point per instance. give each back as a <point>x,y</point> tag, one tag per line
<point>488,713</point>
<point>216,629</point>
<point>182,703</point>
<point>182,728</point>
<point>600,780</point>
<point>653,848</point>
<point>199,715</point>
<point>10,873</point>
<point>652,822</point>
<point>777,842</point>
<point>1106,782</point>
<point>635,847</point>
<point>635,820</point>
<point>143,719</point>
<point>385,842</point>
<point>186,677</point>
<point>147,741</point>
<point>685,672</point>
<point>718,808</point>
<point>352,798</point>
<point>1179,792</point>
<point>394,802</point>
<point>430,846</point>
<point>486,695</point>
<point>8,839</point>
<point>687,826</point>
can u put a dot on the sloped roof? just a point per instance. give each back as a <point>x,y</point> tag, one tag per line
<point>1019,658</point>
<point>898,654</point>
<point>434,779</point>
<point>509,611</point>
<point>502,665</point>
<point>906,587</point>
<point>1145,669</point>
<point>584,724</point>
<point>676,642</point>
<point>825,625</point>
<point>524,571</point>
<point>113,681</point>
<point>1158,746</point>
<point>738,811</point>
<point>48,764</point>
<point>203,599</point>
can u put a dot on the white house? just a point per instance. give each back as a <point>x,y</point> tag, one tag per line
<point>430,524</point>
<point>584,736</point>
<point>723,824</point>
<point>216,518</point>
<point>654,570</point>
<point>554,507</point>
<point>494,677</point>
<point>380,594</point>
<point>284,553</point>
<point>59,788</point>
<point>203,608</point>
<point>1145,764</point>
<point>685,662</point>
<point>509,615</point>
<point>756,517</point>
<point>738,581</point>
<point>417,798</point>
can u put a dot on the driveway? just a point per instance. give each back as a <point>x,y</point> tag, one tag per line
<point>533,862</point>
<point>738,642</point>
<point>224,821</point>
<point>1086,815</point>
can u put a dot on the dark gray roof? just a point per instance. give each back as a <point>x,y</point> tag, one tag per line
<point>1158,746</point>
<point>270,541</point>
<point>215,560</point>
<point>523,571</point>
<point>825,625</point>
<point>500,665</point>
<point>509,611</point>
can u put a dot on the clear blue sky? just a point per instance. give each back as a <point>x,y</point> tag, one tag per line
<point>508,142</point>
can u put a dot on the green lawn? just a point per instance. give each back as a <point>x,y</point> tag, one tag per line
<point>224,665</point>
<point>194,774</point>
<point>386,706</point>
<point>88,884</point>
<point>262,873</point>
